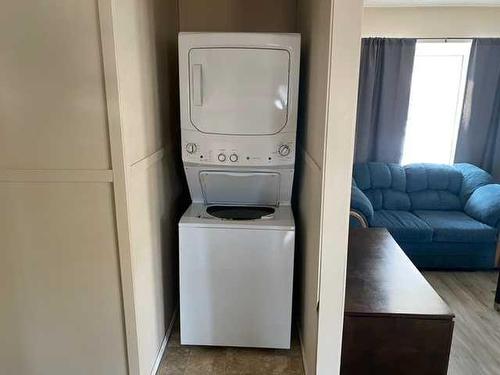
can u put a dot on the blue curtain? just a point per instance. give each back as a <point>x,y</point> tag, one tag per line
<point>383,99</point>
<point>479,134</point>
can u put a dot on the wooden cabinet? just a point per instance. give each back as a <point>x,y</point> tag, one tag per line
<point>395,323</point>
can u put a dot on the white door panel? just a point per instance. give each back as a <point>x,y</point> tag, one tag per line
<point>240,91</point>
<point>236,287</point>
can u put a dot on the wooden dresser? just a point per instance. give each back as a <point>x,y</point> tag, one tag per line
<point>395,323</point>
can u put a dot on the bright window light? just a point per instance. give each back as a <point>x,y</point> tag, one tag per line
<point>436,99</point>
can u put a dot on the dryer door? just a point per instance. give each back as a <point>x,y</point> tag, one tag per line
<point>239,91</point>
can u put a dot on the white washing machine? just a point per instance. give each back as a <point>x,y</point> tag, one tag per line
<point>236,278</point>
<point>238,97</point>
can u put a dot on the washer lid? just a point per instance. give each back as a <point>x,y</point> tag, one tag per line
<point>243,188</point>
<point>196,216</point>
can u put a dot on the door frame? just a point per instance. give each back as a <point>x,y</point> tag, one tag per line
<point>343,77</point>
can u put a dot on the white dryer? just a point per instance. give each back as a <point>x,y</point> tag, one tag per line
<point>238,98</point>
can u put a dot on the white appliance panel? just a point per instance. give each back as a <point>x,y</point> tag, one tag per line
<point>235,151</point>
<point>250,188</point>
<point>236,287</point>
<point>239,91</point>
<point>194,172</point>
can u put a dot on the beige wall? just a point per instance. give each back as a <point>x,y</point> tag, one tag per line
<point>89,185</point>
<point>152,193</point>
<point>307,192</point>
<point>145,41</point>
<point>337,172</point>
<point>313,21</point>
<point>59,275</point>
<point>431,22</point>
<point>51,84</point>
<point>329,74</point>
<point>237,15</point>
<point>59,270</point>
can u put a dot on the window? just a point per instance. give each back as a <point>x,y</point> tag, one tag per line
<point>436,98</point>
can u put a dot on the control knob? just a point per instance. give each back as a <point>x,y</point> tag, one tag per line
<point>191,148</point>
<point>221,157</point>
<point>284,150</point>
<point>233,158</point>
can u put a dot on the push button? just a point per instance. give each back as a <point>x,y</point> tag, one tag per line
<point>221,157</point>
<point>233,158</point>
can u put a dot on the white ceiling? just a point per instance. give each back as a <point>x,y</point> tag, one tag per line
<point>410,3</point>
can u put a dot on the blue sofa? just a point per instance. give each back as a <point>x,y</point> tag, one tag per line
<point>442,216</point>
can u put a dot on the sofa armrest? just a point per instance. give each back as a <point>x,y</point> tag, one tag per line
<point>360,203</point>
<point>484,205</point>
<point>474,178</point>
<point>357,220</point>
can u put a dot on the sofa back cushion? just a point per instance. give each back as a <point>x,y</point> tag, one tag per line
<point>434,187</point>
<point>384,184</point>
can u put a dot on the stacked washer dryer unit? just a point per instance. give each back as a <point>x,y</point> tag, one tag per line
<point>238,99</point>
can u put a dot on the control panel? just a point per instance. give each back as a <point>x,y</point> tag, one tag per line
<point>246,151</point>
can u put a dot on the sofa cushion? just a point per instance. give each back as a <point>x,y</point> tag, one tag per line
<point>376,197</point>
<point>433,186</point>
<point>456,226</point>
<point>360,203</point>
<point>451,255</point>
<point>435,200</point>
<point>361,175</point>
<point>426,176</point>
<point>403,225</point>
<point>395,200</point>
<point>379,176</point>
<point>388,199</point>
<point>384,184</point>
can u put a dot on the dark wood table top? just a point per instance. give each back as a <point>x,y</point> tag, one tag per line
<point>381,280</point>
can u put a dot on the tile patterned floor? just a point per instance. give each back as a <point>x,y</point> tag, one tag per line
<point>197,360</point>
<point>475,348</point>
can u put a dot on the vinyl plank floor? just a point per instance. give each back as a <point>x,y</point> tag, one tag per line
<point>476,339</point>
<point>475,347</point>
<point>194,360</point>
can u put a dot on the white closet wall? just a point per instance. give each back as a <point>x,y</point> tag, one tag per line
<point>238,15</point>
<point>88,185</point>
<point>329,75</point>
<point>314,26</point>
<point>431,22</point>
<point>144,42</point>
<point>59,270</point>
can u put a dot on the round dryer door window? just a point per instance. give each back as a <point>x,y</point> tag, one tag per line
<point>240,212</point>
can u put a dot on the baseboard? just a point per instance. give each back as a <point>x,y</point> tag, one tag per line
<point>304,363</point>
<point>164,343</point>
